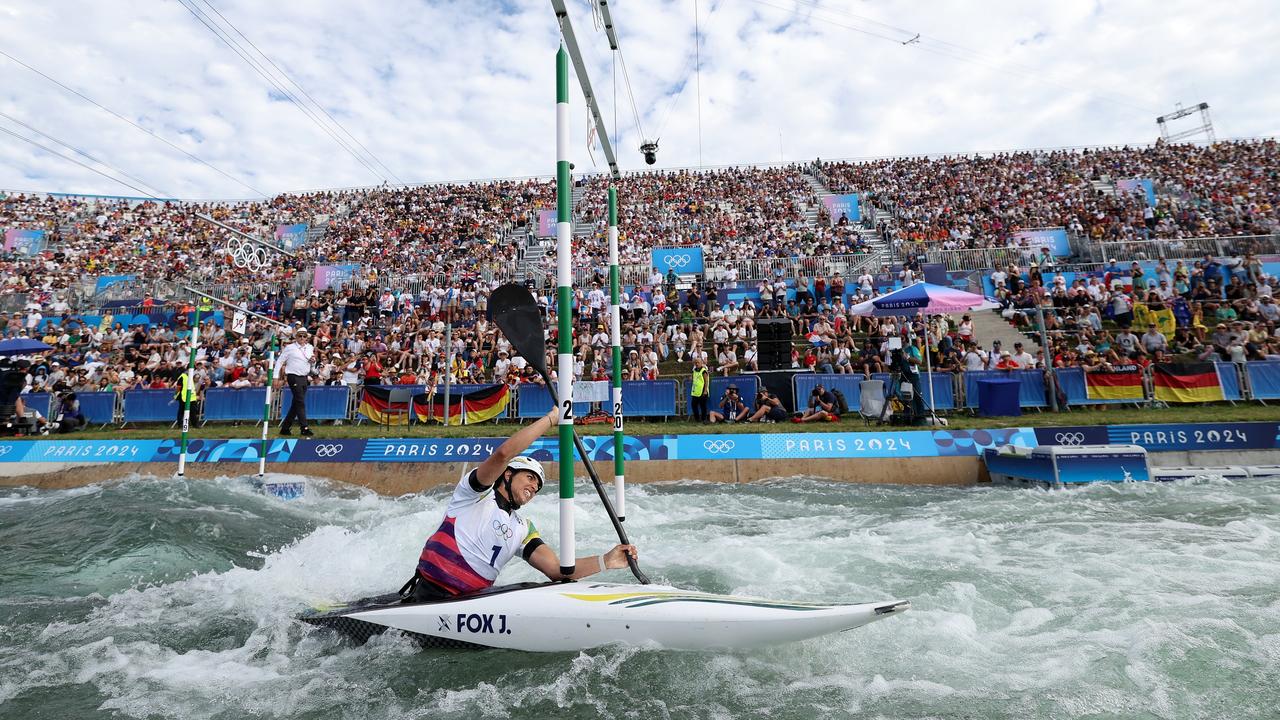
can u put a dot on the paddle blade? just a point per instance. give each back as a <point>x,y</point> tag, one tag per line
<point>515,312</point>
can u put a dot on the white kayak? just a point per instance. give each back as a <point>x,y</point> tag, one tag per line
<point>558,617</point>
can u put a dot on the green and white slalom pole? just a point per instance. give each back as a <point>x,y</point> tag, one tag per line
<point>615,330</point>
<point>266,407</point>
<point>564,313</point>
<point>187,390</point>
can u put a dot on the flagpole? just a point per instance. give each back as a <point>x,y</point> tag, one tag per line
<point>187,389</point>
<point>564,313</point>
<point>615,329</point>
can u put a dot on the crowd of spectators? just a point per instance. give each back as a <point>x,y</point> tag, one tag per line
<point>379,329</point>
<point>951,202</point>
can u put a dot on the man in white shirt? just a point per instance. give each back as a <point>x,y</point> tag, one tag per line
<point>295,362</point>
<point>975,358</point>
<point>1025,360</point>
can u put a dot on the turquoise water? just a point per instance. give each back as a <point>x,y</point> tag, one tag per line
<point>157,598</point>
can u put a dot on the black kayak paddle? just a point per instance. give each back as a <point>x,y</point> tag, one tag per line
<point>516,314</point>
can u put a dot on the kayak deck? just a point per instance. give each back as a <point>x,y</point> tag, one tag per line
<point>558,617</point>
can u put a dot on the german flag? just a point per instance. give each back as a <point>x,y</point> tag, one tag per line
<point>1123,382</point>
<point>469,408</point>
<point>1187,382</point>
<point>375,404</point>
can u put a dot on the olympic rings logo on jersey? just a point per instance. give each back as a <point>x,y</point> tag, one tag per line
<point>328,450</point>
<point>502,529</point>
<point>677,261</point>
<point>717,447</point>
<point>1069,438</point>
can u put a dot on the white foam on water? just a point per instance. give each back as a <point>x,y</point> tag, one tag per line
<point>1153,600</point>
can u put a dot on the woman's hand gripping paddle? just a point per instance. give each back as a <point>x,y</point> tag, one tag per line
<point>516,314</point>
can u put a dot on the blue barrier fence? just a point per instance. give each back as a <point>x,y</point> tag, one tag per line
<point>660,398</point>
<point>747,387</point>
<point>944,396</point>
<point>1264,379</point>
<point>324,402</point>
<point>222,404</point>
<point>98,408</point>
<point>150,406</point>
<point>1230,381</point>
<point>1071,380</point>
<point>1031,391</point>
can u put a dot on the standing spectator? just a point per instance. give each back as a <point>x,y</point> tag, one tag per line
<point>700,390</point>
<point>295,361</point>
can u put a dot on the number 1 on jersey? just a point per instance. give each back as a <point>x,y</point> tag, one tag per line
<point>496,549</point>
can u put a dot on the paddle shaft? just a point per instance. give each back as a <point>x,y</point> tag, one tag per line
<point>595,480</point>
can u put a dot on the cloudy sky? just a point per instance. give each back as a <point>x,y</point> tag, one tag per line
<point>429,91</point>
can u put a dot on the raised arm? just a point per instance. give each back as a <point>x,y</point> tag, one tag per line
<point>491,469</point>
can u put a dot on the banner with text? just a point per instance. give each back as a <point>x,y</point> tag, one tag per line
<point>1134,186</point>
<point>842,206</point>
<point>1053,238</point>
<point>291,237</point>
<point>329,277</point>
<point>546,223</point>
<point>23,242</point>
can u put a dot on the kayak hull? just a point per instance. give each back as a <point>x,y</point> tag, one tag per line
<point>564,617</point>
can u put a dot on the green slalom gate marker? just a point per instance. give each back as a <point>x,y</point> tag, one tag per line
<point>187,388</point>
<point>615,329</point>
<point>564,313</point>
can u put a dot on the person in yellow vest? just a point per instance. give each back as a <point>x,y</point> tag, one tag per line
<point>187,391</point>
<point>700,391</point>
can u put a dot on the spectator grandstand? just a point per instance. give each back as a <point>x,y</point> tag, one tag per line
<point>1194,279</point>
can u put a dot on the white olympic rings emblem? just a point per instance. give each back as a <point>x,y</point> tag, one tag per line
<point>1069,438</point>
<point>677,261</point>
<point>501,529</point>
<point>717,447</point>
<point>4,449</point>
<point>245,254</point>
<point>328,450</point>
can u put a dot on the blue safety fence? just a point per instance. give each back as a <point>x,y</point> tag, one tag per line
<point>535,401</point>
<point>649,398</point>
<point>98,408</point>
<point>804,383</point>
<point>38,402</point>
<point>1072,382</point>
<point>747,387</point>
<point>150,406</point>
<point>222,404</point>
<point>324,402</point>
<point>1230,381</point>
<point>1264,379</point>
<point>1030,389</point>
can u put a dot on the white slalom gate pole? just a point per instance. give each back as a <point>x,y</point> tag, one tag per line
<point>187,388</point>
<point>615,330</point>
<point>564,313</point>
<point>266,409</point>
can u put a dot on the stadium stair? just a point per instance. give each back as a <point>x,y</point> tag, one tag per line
<point>990,326</point>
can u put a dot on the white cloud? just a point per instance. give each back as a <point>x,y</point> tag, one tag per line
<point>458,90</point>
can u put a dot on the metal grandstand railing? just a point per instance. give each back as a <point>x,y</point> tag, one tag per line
<point>1125,251</point>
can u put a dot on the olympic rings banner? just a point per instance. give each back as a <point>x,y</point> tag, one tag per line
<point>737,446</point>
<point>682,259</point>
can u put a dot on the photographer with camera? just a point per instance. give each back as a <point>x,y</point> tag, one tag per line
<point>67,417</point>
<point>731,408</point>
<point>822,407</point>
<point>768,408</point>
